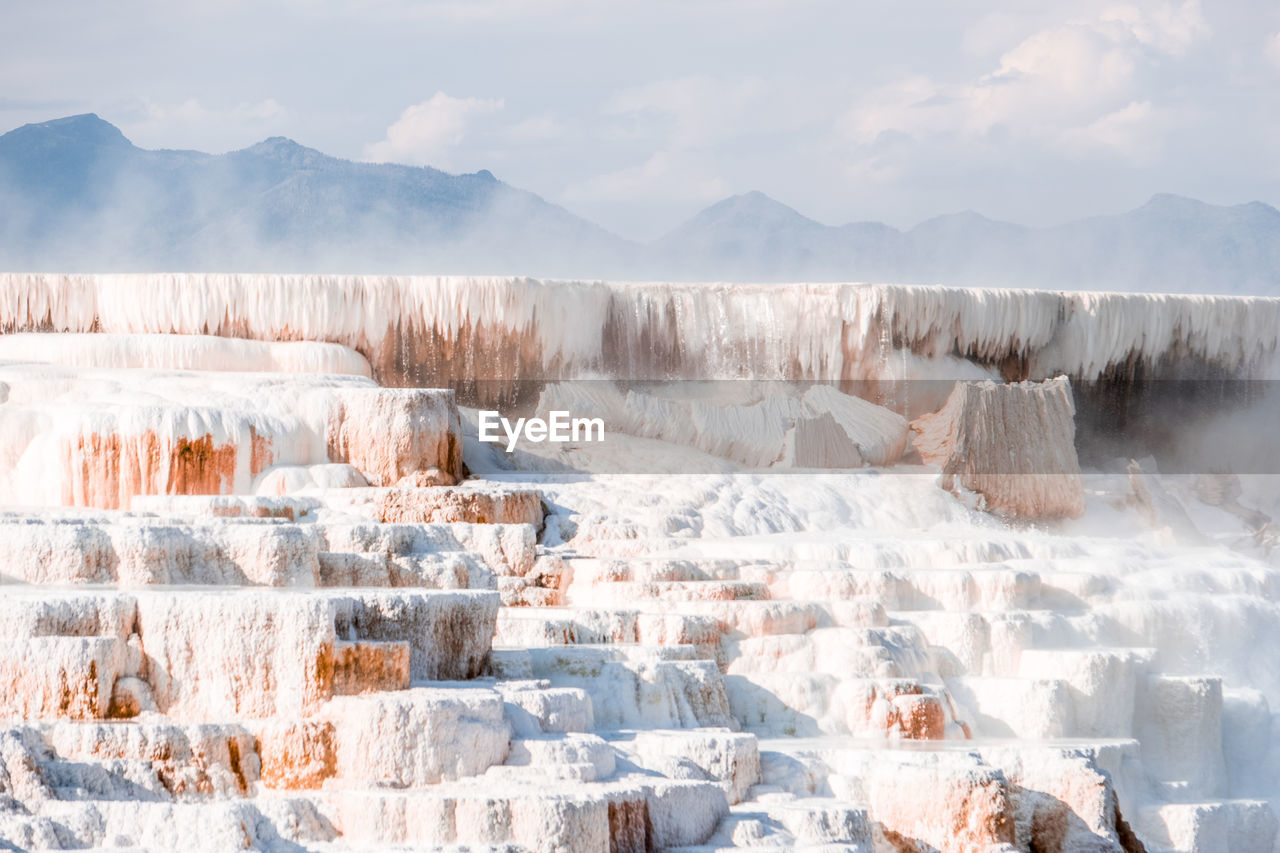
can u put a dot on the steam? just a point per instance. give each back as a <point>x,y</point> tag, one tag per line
<point>280,208</point>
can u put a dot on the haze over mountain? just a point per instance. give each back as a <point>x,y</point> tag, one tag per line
<point>79,196</point>
<point>76,195</point>
<point>1169,244</point>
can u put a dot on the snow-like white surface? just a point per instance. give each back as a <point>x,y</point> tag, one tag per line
<point>182,352</point>
<point>328,647</point>
<point>55,417</point>
<point>754,426</point>
<point>574,329</point>
<point>824,617</point>
<point>91,436</point>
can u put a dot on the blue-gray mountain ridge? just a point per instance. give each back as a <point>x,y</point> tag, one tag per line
<point>76,195</point>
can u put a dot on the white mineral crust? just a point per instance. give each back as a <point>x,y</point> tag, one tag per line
<point>250,599</point>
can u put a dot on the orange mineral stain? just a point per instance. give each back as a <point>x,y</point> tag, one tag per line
<point>107,471</point>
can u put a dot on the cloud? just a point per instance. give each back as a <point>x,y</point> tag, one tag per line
<point>688,111</point>
<point>678,137</point>
<point>897,112</point>
<point>1272,49</point>
<point>1169,28</point>
<point>1124,131</point>
<point>665,176</point>
<point>427,133</point>
<point>8,104</point>
<point>192,111</point>
<point>541,128</point>
<point>1080,61</point>
<point>1083,79</point>
<point>196,124</point>
<point>1054,112</point>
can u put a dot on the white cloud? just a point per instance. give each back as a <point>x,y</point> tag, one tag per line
<point>426,133</point>
<point>912,105</point>
<point>1272,49</point>
<point>665,176</point>
<point>1019,109</point>
<point>1080,78</point>
<point>1125,131</point>
<point>1051,98</point>
<point>192,111</point>
<point>265,110</point>
<point>1077,60</point>
<point>193,123</point>
<point>681,133</point>
<point>688,111</point>
<point>1169,28</point>
<point>542,128</point>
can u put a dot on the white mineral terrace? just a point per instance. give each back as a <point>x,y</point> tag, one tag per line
<point>252,599</point>
<point>521,328</point>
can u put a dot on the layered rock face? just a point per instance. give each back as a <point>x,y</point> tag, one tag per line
<point>1014,445</point>
<point>256,611</point>
<point>98,437</point>
<point>330,637</point>
<point>438,329</point>
<point>388,434</point>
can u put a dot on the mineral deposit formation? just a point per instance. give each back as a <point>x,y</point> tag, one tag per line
<point>261,588</point>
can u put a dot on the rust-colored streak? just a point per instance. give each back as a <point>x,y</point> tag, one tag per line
<point>233,753</point>
<point>199,468</point>
<point>106,471</point>
<point>95,462</point>
<point>922,718</point>
<point>320,684</point>
<point>370,667</point>
<point>298,756</point>
<point>629,827</point>
<point>78,697</point>
<point>484,362</point>
<point>261,453</point>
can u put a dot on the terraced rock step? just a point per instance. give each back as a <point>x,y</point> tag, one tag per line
<point>230,653</point>
<point>267,611</point>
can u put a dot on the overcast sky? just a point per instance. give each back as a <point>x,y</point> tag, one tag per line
<point>638,114</point>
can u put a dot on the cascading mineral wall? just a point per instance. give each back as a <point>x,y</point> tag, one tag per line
<point>432,331</point>
<point>347,653</point>
<point>98,437</point>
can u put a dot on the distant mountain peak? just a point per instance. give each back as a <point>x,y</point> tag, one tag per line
<point>283,150</point>
<point>83,129</point>
<point>81,122</point>
<point>1172,201</point>
<point>970,217</point>
<point>1169,205</point>
<point>280,145</point>
<point>752,199</point>
<point>752,207</point>
<point>74,192</point>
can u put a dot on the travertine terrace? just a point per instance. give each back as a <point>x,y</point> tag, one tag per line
<point>262,589</point>
<point>1013,444</point>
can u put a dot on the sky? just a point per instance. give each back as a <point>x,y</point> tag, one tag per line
<point>637,115</point>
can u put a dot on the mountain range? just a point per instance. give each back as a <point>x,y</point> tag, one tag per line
<point>76,195</point>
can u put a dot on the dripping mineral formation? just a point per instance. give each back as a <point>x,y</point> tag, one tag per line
<point>873,568</point>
